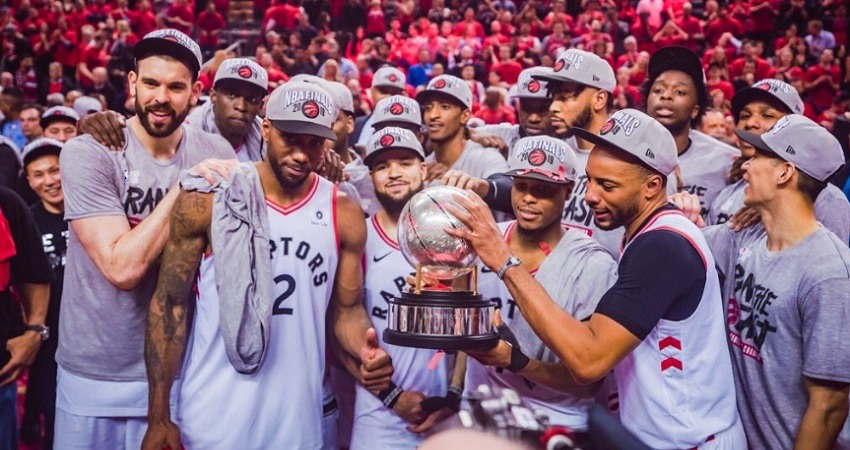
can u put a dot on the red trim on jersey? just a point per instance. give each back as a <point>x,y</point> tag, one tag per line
<point>383,234</point>
<point>644,228</point>
<point>671,362</point>
<point>669,341</point>
<point>286,210</point>
<point>334,213</point>
<point>689,239</point>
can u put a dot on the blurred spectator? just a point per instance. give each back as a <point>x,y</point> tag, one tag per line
<point>713,123</point>
<point>143,21</point>
<point>30,122</point>
<point>100,85</point>
<point>376,24</point>
<point>180,16</point>
<point>210,25</point>
<point>493,110</point>
<point>93,55</point>
<point>467,74</point>
<point>717,81</point>
<point>11,104</point>
<point>654,8</point>
<point>818,39</point>
<point>823,81</point>
<point>347,68</point>
<point>625,95</point>
<point>506,66</point>
<point>420,73</point>
<point>26,80</point>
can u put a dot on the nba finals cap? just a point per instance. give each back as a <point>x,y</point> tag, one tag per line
<point>395,110</point>
<point>639,135</point>
<point>678,58</point>
<point>86,105</point>
<point>447,86</point>
<point>579,66</point>
<point>169,41</point>
<point>392,138</point>
<point>341,94</point>
<point>528,87</point>
<point>242,71</point>
<point>39,148</point>
<point>303,108</point>
<point>58,114</point>
<point>802,142</point>
<point>770,91</point>
<point>388,77</point>
<point>543,158</point>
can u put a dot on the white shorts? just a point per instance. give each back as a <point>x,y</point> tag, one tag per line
<point>732,438</point>
<point>95,433</point>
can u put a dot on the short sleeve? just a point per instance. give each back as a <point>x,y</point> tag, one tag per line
<point>825,312</point>
<point>833,210</point>
<point>88,180</point>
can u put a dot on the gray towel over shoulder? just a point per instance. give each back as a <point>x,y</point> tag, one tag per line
<point>242,272</point>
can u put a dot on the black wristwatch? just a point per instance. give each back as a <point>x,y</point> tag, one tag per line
<point>511,262</point>
<point>42,330</point>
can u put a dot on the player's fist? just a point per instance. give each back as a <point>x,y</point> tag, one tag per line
<point>376,366</point>
<point>162,435</point>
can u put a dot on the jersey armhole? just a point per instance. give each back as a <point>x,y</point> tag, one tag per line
<point>335,214</point>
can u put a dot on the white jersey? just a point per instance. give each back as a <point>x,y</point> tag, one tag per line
<point>376,426</point>
<point>676,388</point>
<point>562,408</point>
<point>279,405</point>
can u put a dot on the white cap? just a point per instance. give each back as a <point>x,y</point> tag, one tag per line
<point>579,66</point>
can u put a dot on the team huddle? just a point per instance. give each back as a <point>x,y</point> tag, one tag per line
<point>228,275</point>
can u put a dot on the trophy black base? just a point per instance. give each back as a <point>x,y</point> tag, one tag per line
<point>441,320</point>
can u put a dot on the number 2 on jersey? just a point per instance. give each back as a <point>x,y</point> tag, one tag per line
<point>287,292</point>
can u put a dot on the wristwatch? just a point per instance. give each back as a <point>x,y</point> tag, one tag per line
<point>511,262</point>
<point>42,330</point>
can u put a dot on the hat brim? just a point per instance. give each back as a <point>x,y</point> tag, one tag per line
<point>750,94</point>
<point>39,152</point>
<point>406,124</point>
<point>232,83</point>
<point>308,128</point>
<point>159,46</point>
<point>45,122</point>
<point>370,158</point>
<point>428,95</point>
<point>677,58</point>
<point>755,140</point>
<point>596,139</point>
<point>553,79</point>
<point>522,173</point>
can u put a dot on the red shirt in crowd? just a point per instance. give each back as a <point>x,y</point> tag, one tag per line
<point>764,18</point>
<point>143,22</point>
<point>285,16</point>
<point>182,12</point>
<point>763,68</point>
<point>724,86</point>
<point>460,28</point>
<point>208,22</point>
<point>376,22</point>
<point>692,26</point>
<point>718,26</point>
<point>508,71</point>
<point>630,91</point>
<point>822,95</point>
<point>504,114</point>
<point>93,57</point>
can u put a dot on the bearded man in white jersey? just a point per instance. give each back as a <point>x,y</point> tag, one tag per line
<point>659,328</point>
<point>571,266</point>
<point>316,240</point>
<point>786,291</point>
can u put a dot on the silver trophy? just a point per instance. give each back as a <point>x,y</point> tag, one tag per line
<point>449,316</point>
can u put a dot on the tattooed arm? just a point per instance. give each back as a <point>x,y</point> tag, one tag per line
<point>165,337</point>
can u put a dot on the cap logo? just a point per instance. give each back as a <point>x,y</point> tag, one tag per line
<point>245,72</point>
<point>627,122</point>
<point>595,78</point>
<point>387,140</point>
<point>171,37</point>
<point>538,152</point>
<point>533,86</point>
<point>649,153</point>
<point>396,109</point>
<point>393,78</point>
<point>574,60</point>
<point>609,125</point>
<point>783,122</point>
<point>790,150</point>
<point>536,157</point>
<point>310,109</point>
<point>765,86</point>
<point>559,65</point>
<point>441,83</point>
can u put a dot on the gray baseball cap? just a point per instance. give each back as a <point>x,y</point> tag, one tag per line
<point>769,90</point>
<point>86,105</point>
<point>169,41</point>
<point>543,158</point>
<point>639,135</point>
<point>392,138</point>
<point>397,109</point>
<point>579,66</point>
<point>243,70</point>
<point>529,87</point>
<point>388,77</point>
<point>303,108</point>
<point>802,142</point>
<point>57,114</point>
<point>340,93</point>
<point>39,148</point>
<point>447,86</point>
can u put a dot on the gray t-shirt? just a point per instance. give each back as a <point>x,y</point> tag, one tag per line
<point>477,161</point>
<point>251,149</point>
<point>102,328</point>
<point>831,208</point>
<point>705,166</point>
<point>787,319</point>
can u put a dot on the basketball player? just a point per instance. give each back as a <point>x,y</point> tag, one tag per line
<point>118,204</point>
<point>786,291</point>
<point>396,161</point>
<point>756,109</point>
<point>316,240</point>
<point>676,96</point>
<point>660,327</point>
<point>573,269</point>
<point>239,88</point>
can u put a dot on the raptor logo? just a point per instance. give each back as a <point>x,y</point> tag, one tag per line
<point>171,37</point>
<point>559,65</point>
<point>609,125</point>
<point>245,72</point>
<point>765,86</point>
<point>392,77</point>
<point>310,109</point>
<point>387,140</point>
<point>396,109</point>
<point>533,86</point>
<point>537,157</point>
<point>440,84</point>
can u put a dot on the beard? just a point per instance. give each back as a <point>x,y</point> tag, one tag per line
<point>394,205</point>
<point>619,218</point>
<point>164,130</point>
<point>582,120</point>
<point>284,180</point>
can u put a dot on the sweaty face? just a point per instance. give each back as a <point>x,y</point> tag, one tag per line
<point>535,117</point>
<point>571,107</point>
<point>61,131</point>
<point>537,204</point>
<point>45,180</point>
<point>673,100</point>
<point>292,156</point>
<point>235,108</point>
<point>30,123</point>
<point>397,176</point>
<point>443,119</point>
<point>614,188</point>
<point>757,117</point>
<point>164,94</point>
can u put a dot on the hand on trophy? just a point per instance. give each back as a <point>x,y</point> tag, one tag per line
<point>483,234</point>
<point>498,356</point>
<point>376,366</point>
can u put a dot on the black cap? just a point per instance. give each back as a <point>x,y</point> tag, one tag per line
<point>681,59</point>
